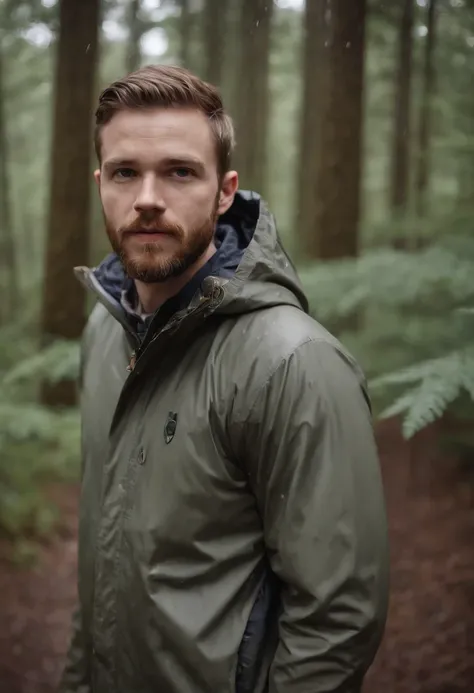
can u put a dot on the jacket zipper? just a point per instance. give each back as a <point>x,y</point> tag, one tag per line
<point>205,302</point>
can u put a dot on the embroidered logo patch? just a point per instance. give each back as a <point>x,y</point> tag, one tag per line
<point>170,427</point>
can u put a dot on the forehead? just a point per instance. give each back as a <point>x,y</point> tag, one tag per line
<point>157,133</point>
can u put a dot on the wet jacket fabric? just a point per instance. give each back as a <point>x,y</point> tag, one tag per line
<point>232,533</point>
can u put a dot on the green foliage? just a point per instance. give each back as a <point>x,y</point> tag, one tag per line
<point>59,361</point>
<point>434,279</point>
<point>36,445</point>
<point>415,325</point>
<point>437,384</point>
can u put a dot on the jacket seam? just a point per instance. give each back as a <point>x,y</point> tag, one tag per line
<point>284,359</point>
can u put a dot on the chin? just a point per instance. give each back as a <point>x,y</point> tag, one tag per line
<point>151,270</point>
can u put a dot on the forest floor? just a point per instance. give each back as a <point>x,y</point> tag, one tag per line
<point>429,641</point>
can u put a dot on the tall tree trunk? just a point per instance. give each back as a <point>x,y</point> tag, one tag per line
<point>185,26</point>
<point>133,58</point>
<point>214,35</point>
<point>8,266</point>
<point>400,160</point>
<point>337,181</point>
<point>64,301</point>
<point>314,73</point>
<point>253,102</point>
<point>424,134</point>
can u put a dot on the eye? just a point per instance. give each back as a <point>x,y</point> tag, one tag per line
<point>124,173</point>
<point>182,172</point>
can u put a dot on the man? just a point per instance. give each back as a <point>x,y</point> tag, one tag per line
<point>232,529</point>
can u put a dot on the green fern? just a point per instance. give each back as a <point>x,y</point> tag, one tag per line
<point>24,421</point>
<point>57,362</point>
<point>412,308</point>
<point>435,279</point>
<point>37,444</point>
<point>440,380</point>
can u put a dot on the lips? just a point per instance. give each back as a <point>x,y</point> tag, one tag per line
<point>148,232</point>
<point>147,235</point>
<point>152,232</point>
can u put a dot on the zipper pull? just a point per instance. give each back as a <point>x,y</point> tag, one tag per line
<point>133,360</point>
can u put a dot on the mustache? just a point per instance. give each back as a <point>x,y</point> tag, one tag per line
<point>156,226</point>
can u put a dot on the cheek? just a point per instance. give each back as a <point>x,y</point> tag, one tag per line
<point>193,203</point>
<point>116,205</point>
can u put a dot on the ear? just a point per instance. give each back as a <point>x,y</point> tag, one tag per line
<point>229,186</point>
<point>97,177</point>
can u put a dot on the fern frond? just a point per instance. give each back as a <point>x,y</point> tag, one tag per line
<point>19,421</point>
<point>442,380</point>
<point>412,374</point>
<point>59,361</point>
<point>429,403</point>
<point>401,405</point>
<point>437,277</point>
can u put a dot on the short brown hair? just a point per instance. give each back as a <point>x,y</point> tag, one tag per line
<point>168,87</point>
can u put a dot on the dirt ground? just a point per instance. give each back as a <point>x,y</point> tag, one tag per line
<point>429,641</point>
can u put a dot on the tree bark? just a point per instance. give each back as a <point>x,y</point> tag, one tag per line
<point>314,73</point>
<point>337,181</point>
<point>214,30</point>
<point>64,300</point>
<point>422,173</point>
<point>8,267</point>
<point>400,159</point>
<point>185,26</point>
<point>133,59</point>
<point>252,106</point>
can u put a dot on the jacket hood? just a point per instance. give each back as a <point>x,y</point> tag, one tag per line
<point>250,263</point>
<point>265,275</point>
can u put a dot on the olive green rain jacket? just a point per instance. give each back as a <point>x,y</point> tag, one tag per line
<point>232,532</point>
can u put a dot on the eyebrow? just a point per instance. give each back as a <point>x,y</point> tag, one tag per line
<point>113,163</point>
<point>169,161</point>
<point>184,161</point>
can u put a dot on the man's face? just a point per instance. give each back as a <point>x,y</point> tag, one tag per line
<point>159,189</point>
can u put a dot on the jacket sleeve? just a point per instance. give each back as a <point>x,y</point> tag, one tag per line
<point>76,674</point>
<point>310,452</point>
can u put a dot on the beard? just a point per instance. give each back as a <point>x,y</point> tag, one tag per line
<point>157,262</point>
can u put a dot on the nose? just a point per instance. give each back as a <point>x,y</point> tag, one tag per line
<point>149,198</point>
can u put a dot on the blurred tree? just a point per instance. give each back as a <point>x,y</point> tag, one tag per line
<point>252,98</point>
<point>313,70</point>
<point>214,39</point>
<point>424,133</point>
<point>185,27</point>
<point>401,138</point>
<point>461,78</point>
<point>64,302</point>
<point>338,177</point>
<point>8,264</point>
<point>135,30</point>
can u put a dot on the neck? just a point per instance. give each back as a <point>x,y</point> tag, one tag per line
<point>152,296</point>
